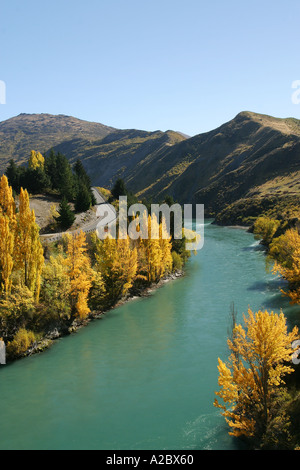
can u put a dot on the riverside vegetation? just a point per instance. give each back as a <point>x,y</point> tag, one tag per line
<point>56,287</point>
<point>260,401</point>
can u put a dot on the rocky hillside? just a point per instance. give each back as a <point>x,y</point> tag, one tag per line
<point>253,157</point>
<point>107,153</point>
<point>219,167</point>
<point>26,132</point>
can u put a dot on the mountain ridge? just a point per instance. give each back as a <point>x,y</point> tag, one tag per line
<point>216,168</point>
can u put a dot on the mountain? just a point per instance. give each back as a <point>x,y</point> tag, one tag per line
<point>231,169</point>
<point>224,164</point>
<point>244,167</point>
<point>107,152</point>
<point>21,134</point>
<point>120,154</point>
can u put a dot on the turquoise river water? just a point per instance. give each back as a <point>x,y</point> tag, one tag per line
<point>144,376</point>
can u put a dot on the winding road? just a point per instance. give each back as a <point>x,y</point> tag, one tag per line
<point>104,210</point>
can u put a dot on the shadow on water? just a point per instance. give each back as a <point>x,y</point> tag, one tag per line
<point>267,285</point>
<point>256,246</point>
<point>276,300</point>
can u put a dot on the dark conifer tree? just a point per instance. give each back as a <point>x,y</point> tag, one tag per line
<point>66,215</point>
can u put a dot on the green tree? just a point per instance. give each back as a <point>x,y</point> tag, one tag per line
<point>82,174</point>
<point>66,215</point>
<point>59,170</point>
<point>34,180</point>
<point>83,199</point>
<point>14,173</point>
<point>119,189</point>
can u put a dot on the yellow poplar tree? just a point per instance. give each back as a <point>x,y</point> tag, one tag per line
<point>29,251</point>
<point>249,384</point>
<point>265,228</point>
<point>166,249</point>
<point>7,234</point>
<point>151,250</point>
<point>117,262</point>
<point>7,202</point>
<point>80,274</point>
<point>36,160</point>
<point>282,248</point>
<point>55,292</point>
<point>6,254</point>
<point>286,251</point>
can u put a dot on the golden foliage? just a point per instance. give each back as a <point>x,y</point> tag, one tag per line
<point>287,251</point>
<point>56,288</point>
<point>260,357</point>
<point>154,250</point>
<point>7,242</point>
<point>22,341</point>
<point>117,263</point>
<point>7,202</point>
<point>28,248</point>
<point>15,310</point>
<point>36,160</point>
<point>79,272</point>
<point>265,228</point>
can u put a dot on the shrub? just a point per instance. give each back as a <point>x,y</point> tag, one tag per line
<point>177,261</point>
<point>22,341</point>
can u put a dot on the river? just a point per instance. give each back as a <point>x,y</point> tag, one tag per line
<point>144,376</point>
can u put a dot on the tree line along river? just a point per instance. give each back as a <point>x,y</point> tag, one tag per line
<point>144,376</point>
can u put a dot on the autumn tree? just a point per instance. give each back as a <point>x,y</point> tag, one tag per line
<point>282,248</point>
<point>56,289</point>
<point>117,263</point>
<point>21,343</point>
<point>28,253</point>
<point>266,228</point>
<point>165,242</point>
<point>80,274</point>
<point>7,202</point>
<point>149,248</point>
<point>16,310</point>
<point>154,249</point>
<point>292,275</point>
<point>36,160</point>
<point>7,234</point>
<point>286,252</point>
<point>251,382</point>
<point>7,242</point>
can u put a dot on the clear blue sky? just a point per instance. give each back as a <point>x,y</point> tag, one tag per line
<point>150,64</point>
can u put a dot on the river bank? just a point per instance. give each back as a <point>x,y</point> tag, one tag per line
<point>145,376</point>
<point>60,331</point>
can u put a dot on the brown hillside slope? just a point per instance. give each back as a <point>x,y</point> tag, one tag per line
<point>221,166</point>
<point>21,134</point>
